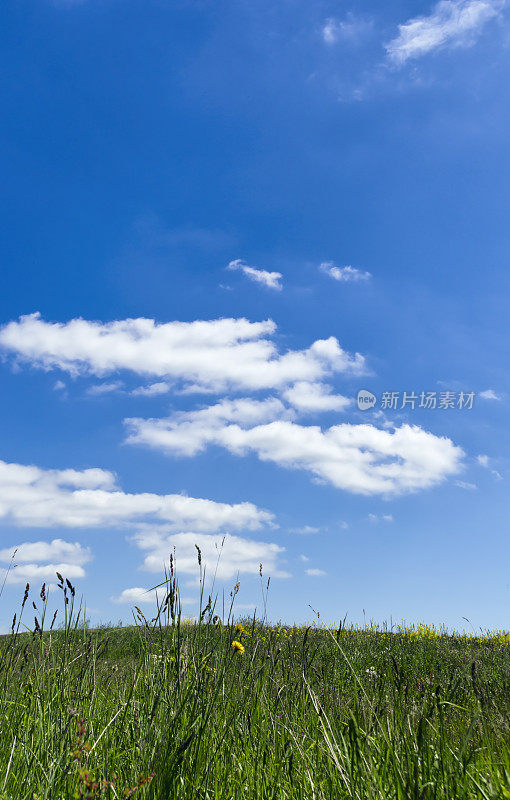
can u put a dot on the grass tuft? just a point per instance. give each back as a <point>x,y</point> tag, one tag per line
<point>223,707</point>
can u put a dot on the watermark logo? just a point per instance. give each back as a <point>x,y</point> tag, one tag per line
<point>412,400</point>
<point>365,399</point>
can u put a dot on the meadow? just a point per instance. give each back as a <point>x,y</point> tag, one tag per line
<point>223,707</point>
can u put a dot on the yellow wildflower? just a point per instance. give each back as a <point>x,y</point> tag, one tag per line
<point>239,628</point>
<point>238,646</point>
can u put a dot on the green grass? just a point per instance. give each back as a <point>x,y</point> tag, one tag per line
<point>169,709</point>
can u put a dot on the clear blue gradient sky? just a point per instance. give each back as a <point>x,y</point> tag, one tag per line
<point>147,145</point>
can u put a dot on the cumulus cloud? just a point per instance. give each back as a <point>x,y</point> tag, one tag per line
<point>57,549</point>
<point>25,573</point>
<point>224,555</point>
<point>187,433</point>
<point>138,595</point>
<point>41,560</point>
<point>213,355</point>
<point>451,23</point>
<point>271,280</point>
<point>344,274</point>
<point>489,394</point>
<point>30,496</point>
<point>315,397</point>
<point>357,458</point>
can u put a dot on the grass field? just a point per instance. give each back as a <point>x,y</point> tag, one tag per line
<point>170,708</point>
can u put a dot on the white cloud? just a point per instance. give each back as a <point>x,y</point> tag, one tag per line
<point>315,572</point>
<point>344,525</point>
<point>68,558</point>
<point>357,458</point>
<point>59,386</point>
<point>35,497</point>
<point>351,29</point>
<point>305,530</point>
<point>57,549</point>
<point>489,394</point>
<point>272,280</point>
<point>451,23</point>
<point>329,31</point>
<point>189,432</point>
<point>381,518</point>
<point>304,558</point>
<point>138,595</point>
<point>345,274</point>
<point>152,390</point>
<point>212,355</point>
<point>485,461</point>
<point>465,485</point>
<point>99,389</point>
<point>314,397</point>
<point>225,555</point>
<point>41,572</point>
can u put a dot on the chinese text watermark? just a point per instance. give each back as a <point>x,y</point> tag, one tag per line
<point>410,400</point>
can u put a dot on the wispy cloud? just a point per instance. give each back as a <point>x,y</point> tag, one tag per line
<point>381,518</point>
<point>316,573</point>
<point>451,23</point>
<point>345,274</point>
<point>351,29</point>
<point>272,280</point>
<point>305,530</point>
<point>99,389</point>
<point>486,462</point>
<point>152,390</point>
<point>489,394</point>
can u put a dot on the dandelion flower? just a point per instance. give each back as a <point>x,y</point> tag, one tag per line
<point>238,646</point>
<point>239,628</point>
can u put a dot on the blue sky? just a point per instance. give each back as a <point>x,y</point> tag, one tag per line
<point>221,220</point>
